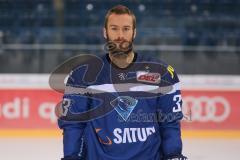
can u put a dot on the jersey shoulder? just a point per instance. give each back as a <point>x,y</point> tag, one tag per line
<point>86,72</point>
<point>169,74</point>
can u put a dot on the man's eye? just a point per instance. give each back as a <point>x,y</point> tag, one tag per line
<point>114,29</point>
<point>126,29</point>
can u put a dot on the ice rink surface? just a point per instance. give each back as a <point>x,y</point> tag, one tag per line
<point>51,148</point>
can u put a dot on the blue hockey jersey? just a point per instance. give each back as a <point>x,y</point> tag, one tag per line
<point>139,115</point>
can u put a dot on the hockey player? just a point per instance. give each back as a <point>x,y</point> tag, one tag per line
<point>140,100</point>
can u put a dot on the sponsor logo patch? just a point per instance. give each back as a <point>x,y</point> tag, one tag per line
<point>125,135</point>
<point>149,77</point>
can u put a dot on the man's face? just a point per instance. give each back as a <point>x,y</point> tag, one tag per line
<point>119,29</point>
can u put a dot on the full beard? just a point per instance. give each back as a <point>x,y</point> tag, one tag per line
<point>119,49</point>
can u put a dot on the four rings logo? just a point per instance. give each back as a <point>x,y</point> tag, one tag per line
<point>204,109</point>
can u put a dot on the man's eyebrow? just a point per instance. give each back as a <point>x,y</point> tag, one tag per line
<point>112,25</point>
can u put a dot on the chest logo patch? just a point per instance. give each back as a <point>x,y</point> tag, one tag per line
<point>124,106</point>
<point>148,77</point>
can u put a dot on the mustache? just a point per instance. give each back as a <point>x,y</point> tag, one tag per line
<point>123,46</point>
<point>120,40</point>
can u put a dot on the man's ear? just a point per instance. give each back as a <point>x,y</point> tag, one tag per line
<point>134,33</point>
<point>104,33</point>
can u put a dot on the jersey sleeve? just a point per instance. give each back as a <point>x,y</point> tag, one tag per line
<point>73,132</point>
<point>170,114</point>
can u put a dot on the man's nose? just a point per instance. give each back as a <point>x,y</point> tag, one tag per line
<point>120,34</point>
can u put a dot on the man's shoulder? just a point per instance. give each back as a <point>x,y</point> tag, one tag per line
<point>87,69</point>
<point>169,73</point>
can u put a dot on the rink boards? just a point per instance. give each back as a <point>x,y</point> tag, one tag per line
<point>211,106</point>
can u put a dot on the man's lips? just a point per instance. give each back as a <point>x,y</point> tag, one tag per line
<point>118,42</point>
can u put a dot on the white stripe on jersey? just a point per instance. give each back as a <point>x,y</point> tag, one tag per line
<point>122,87</point>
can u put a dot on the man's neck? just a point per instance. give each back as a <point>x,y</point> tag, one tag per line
<point>122,61</point>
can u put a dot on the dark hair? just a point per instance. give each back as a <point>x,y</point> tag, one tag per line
<point>120,9</point>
